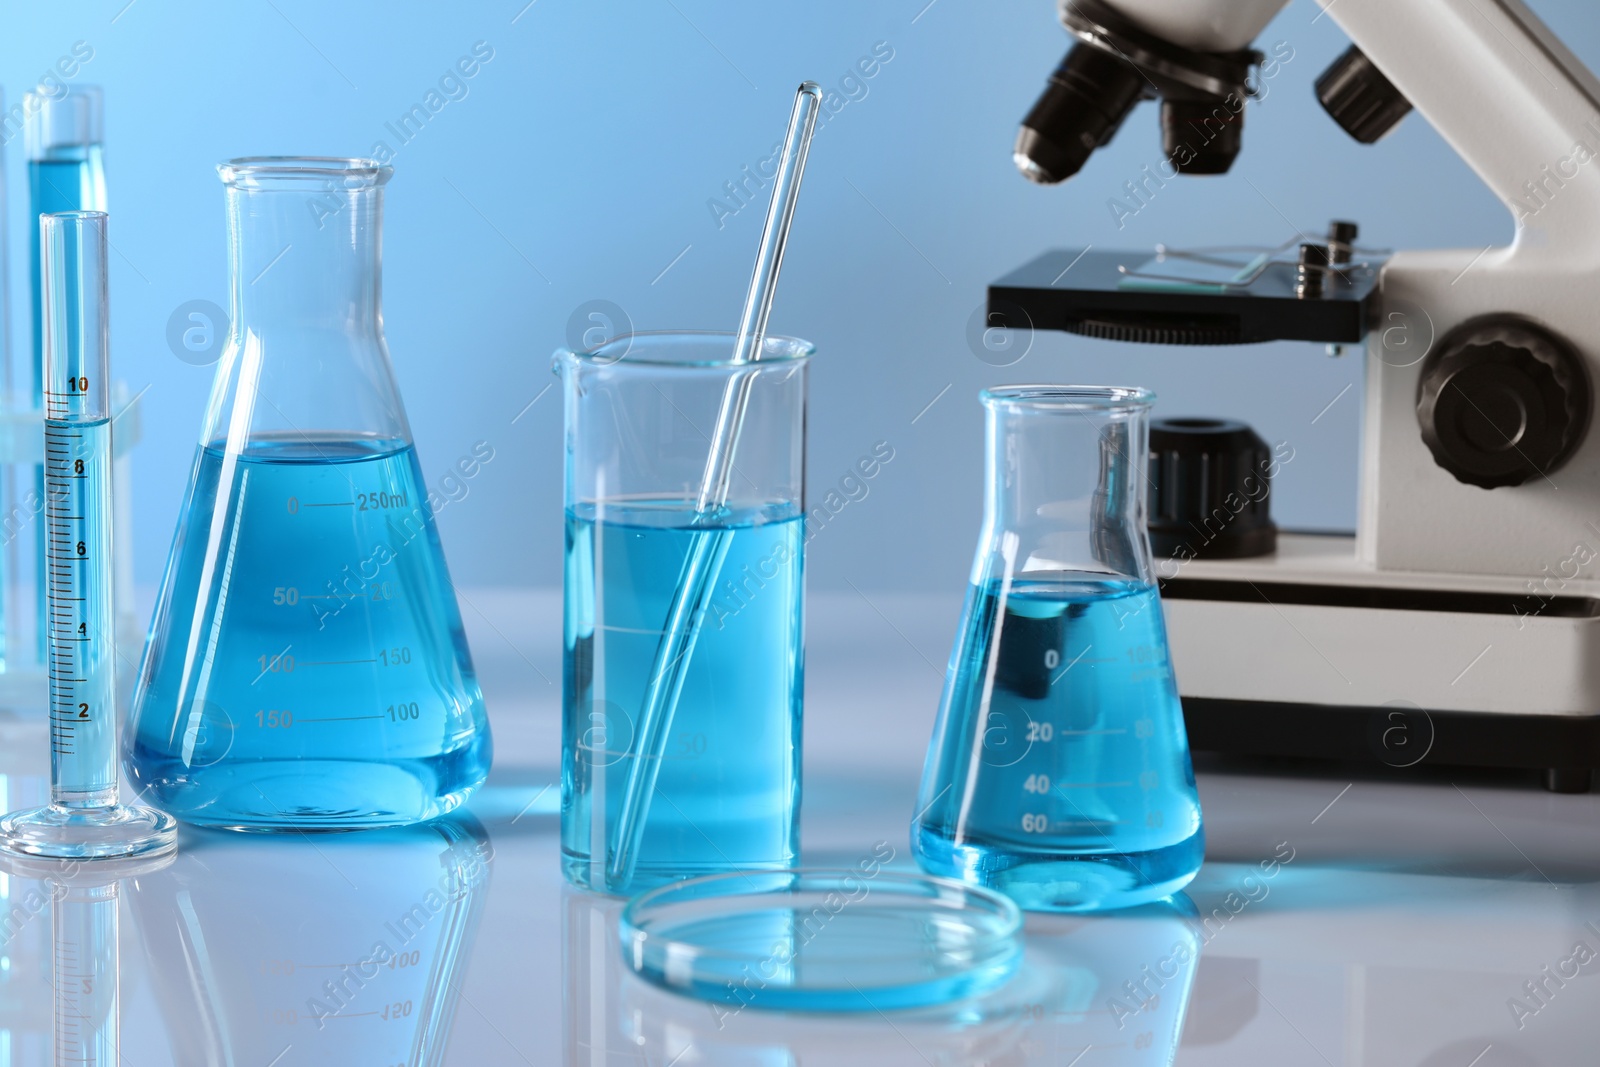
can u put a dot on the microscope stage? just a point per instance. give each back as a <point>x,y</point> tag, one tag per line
<point>1085,291</point>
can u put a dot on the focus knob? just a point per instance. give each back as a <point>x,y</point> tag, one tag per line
<point>1357,96</point>
<point>1502,400</point>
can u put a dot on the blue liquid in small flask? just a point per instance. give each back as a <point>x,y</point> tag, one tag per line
<point>1059,768</point>
<point>307,667</point>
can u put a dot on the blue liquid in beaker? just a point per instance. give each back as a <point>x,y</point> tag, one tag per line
<point>307,666</point>
<point>1061,772</point>
<point>729,787</point>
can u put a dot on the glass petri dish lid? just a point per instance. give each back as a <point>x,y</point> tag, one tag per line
<point>822,940</point>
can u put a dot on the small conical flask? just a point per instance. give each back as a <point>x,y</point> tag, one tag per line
<point>1059,768</point>
<point>306,667</point>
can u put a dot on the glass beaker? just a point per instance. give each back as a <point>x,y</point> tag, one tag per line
<point>708,778</point>
<point>1059,768</point>
<point>306,668</point>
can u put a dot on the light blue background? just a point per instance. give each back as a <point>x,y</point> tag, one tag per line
<point>579,167</point>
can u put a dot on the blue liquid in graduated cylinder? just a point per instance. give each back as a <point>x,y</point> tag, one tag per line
<point>1060,771</point>
<point>728,792</point>
<point>307,666</point>
<point>82,624</point>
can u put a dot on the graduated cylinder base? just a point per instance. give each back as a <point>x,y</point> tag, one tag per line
<point>1063,880</point>
<point>112,832</point>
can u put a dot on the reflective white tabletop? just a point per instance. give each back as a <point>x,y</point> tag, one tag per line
<point>1445,919</point>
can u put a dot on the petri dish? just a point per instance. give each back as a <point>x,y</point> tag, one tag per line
<point>822,940</point>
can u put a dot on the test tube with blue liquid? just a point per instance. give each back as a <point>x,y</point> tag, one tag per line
<point>63,139</point>
<point>83,819</point>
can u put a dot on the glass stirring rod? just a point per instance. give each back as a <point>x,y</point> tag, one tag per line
<point>709,548</point>
<point>83,819</point>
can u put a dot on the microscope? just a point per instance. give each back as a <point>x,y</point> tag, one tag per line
<point>1460,623</point>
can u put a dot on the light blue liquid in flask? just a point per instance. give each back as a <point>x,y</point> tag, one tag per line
<point>1059,770</point>
<point>307,666</point>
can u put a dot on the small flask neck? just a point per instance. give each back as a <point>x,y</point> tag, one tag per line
<point>1065,489</point>
<point>305,260</point>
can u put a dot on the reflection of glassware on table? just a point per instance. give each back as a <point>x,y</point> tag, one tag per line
<point>85,969</point>
<point>1059,768</point>
<point>83,819</point>
<point>591,1034</point>
<point>1116,983</point>
<point>25,950</point>
<point>611,1018</point>
<point>727,785</point>
<point>307,666</point>
<point>349,949</point>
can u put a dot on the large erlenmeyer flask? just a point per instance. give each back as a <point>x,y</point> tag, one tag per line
<point>1059,769</point>
<point>306,667</point>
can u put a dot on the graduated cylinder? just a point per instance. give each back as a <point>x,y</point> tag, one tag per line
<point>80,617</point>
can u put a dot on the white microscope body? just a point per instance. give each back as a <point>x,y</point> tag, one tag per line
<point>1461,624</point>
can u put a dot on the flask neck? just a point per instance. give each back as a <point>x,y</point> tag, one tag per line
<point>305,358</point>
<point>305,259</point>
<point>1066,488</point>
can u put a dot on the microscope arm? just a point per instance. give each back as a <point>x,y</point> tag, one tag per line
<point>1506,94</point>
<point>1521,111</point>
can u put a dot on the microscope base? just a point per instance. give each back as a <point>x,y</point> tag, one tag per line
<point>1311,653</point>
<point>1566,748</point>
